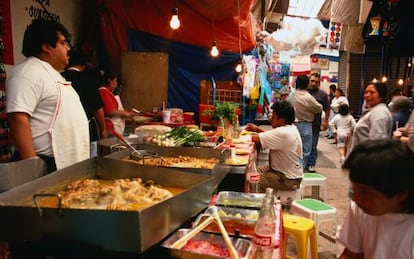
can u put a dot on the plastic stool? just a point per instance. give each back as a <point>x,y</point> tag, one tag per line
<point>316,211</point>
<point>314,179</point>
<point>302,229</point>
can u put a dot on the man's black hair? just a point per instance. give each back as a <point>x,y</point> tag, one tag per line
<point>302,82</point>
<point>41,32</point>
<point>385,165</point>
<point>284,109</point>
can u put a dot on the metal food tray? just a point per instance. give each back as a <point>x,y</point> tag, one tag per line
<point>111,230</point>
<point>218,172</point>
<point>243,246</point>
<point>240,199</point>
<point>16,173</point>
<point>234,220</point>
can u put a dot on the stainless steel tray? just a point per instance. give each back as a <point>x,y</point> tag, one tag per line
<point>14,174</point>
<point>234,220</point>
<point>112,230</point>
<point>243,246</point>
<point>240,199</point>
<point>218,172</point>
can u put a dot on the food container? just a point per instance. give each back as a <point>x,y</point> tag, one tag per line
<point>176,115</point>
<point>243,246</point>
<point>16,173</point>
<point>188,116</point>
<point>234,220</point>
<point>240,199</point>
<point>218,172</point>
<point>129,231</point>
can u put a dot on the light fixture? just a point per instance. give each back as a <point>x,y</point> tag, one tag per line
<point>374,80</point>
<point>239,66</point>
<point>384,79</point>
<point>214,50</point>
<point>400,82</point>
<point>174,22</point>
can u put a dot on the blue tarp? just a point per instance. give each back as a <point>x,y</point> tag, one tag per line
<point>188,65</point>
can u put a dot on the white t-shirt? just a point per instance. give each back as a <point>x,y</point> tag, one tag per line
<point>343,125</point>
<point>32,89</point>
<point>285,146</point>
<point>387,236</point>
<point>337,101</point>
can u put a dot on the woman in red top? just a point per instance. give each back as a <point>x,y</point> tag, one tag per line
<point>114,111</point>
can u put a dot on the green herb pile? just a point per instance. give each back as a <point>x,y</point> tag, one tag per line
<point>179,136</point>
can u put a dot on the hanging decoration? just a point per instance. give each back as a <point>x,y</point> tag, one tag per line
<point>334,37</point>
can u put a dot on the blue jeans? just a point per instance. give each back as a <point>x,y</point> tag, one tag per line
<point>314,151</point>
<point>305,131</point>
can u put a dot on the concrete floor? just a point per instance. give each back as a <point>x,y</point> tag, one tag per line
<point>328,165</point>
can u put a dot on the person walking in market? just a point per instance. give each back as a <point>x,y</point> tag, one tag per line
<point>342,125</point>
<point>318,124</point>
<point>306,108</point>
<point>332,90</point>
<point>45,115</point>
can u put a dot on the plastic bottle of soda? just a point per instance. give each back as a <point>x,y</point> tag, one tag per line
<point>264,232</point>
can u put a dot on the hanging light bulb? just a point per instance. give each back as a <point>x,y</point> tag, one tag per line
<point>400,82</point>
<point>239,66</point>
<point>214,50</point>
<point>384,79</point>
<point>374,80</point>
<point>174,22</point>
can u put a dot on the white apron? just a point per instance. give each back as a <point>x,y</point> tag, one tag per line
<point>69,129</point>
<point>118,121</point>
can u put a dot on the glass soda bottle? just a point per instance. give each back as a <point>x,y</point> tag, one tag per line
<point>236,127</point>
<point>264,233</point>
<point>220,126</point>
<point>252,176</point>
<point>277,209</point>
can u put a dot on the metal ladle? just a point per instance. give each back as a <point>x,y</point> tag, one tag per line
<point>118,136</point>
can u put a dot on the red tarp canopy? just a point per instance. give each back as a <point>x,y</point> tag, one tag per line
<point>196,17</point>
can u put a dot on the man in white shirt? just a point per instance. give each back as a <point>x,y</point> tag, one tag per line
<point>45,115</point>
<point>284,171</point>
